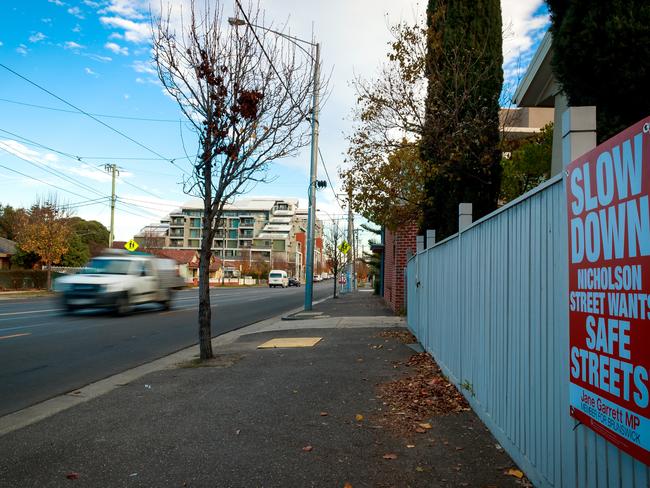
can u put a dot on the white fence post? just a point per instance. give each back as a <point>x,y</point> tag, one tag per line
<point>419,243</point>
<point>431,238</point>
<point>578,132</point>
<point>464,216</point>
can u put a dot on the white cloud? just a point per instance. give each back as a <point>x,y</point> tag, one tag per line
<point>76,28</point>
<point>72,45</point>
<point>37,37</point>
<point>133,31</point>
<point>90,72</point>
<point>116,48</point>
<point>123,8</point>
<point>101,59</point>
<point>57,2</point>
<point>76,11</point>
<point>22,49</point>
<point>143,67</point>
<point>21,151</point>
<point>92,4</point>
<point>46,20</point>
<point>1,44</point>
<point>116,35</point>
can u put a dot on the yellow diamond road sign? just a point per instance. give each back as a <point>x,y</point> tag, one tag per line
<point>131,245</point>
<point>344,247</point>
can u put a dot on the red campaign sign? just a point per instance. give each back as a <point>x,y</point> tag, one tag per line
<point>609,289</point>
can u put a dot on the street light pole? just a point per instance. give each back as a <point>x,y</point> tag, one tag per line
<point>311,212</point>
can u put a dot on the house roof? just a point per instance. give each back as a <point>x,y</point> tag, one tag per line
<point>538,87</point>
<point>181,256</point>
<point>7,246</point>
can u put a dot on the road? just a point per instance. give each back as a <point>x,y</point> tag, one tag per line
<point>44,353</point>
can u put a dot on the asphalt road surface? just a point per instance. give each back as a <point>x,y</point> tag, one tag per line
<point>44,353</point>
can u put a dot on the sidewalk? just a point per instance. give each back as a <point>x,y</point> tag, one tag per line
<point>292,417</point>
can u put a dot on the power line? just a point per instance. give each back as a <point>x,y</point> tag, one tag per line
<point>322,160</point>
<point>151,203</point>
<point>91,116</point>
<point>68,155</point>
<point>41,181</point>
<point>124,117</point>
<point>275,70</point>
<point>52,171</point>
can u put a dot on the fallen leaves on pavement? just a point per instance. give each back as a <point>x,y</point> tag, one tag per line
<point>416,398</point>
<point>515,472</point>
<point>358,417</point>
<point>72,475</point>
<point>390,455</point>
<point>308,448</point>
<point>403,336</point>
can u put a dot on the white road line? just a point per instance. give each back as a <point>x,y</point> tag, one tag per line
<point>31,311</point>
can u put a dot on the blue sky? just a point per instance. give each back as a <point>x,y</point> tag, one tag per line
<point>95,55</point>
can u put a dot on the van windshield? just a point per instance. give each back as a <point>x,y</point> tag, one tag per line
<point>275,275</point>
<point>108,266</point>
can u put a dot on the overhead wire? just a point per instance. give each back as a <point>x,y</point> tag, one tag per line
<point>117,131</point>
<point>106,116</point>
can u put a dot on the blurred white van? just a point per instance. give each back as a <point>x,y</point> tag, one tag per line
<point>277,277</point>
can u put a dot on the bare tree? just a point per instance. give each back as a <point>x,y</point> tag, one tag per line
<point>245,93</point>
<point>335,258</point>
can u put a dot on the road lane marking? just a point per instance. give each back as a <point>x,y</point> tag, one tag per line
<point>15,335</point>
<point>31,311</point>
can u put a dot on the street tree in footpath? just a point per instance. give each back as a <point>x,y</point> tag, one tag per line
<point>460,141</point>
<point>335,258</point>
<point>385,173</point>
<point>45,230</point>
<point>598,60</point>
<point>245,93</point>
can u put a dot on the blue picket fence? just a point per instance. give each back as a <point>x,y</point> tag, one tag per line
<point>490,305</point>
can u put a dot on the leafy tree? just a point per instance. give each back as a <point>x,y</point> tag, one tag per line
<point>78,252</point>
<point>25,260</point>
<point>528,165</point>
<point>245,92</point>
<point>597,58</point>
<point>46,231</point>
<point>460,142</point>
<point>385,175</point>
<point>8,221</point>
<point>92,233</point>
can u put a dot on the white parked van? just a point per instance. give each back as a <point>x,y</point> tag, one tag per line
<point>277,277</point>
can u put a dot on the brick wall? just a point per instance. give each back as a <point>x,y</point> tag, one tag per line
<point>397,245</point>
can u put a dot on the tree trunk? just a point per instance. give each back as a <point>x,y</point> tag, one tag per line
<point>335,281</point>
<point>205,311</point>
<point>49,276</point>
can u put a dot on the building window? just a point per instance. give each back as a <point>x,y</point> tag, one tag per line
<point>195,233</point>
<point>193,243</point>
<point>195,222</point>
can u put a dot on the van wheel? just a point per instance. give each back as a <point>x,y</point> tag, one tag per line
<point>167,301</point>
<point>123,305</point>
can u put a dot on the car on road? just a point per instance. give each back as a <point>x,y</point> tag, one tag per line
<point>277,277</point>
<point>294,282</point>
<point>119,281</point>
<point>318,278</point>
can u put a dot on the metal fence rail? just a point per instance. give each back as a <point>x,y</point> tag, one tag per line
<point>490,304</point>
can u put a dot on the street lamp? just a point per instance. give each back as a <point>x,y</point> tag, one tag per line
<point>311,211</point>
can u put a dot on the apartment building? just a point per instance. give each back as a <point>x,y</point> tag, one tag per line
<point>250,231</point>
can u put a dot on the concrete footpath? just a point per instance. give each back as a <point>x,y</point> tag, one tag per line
<point>315,416</point>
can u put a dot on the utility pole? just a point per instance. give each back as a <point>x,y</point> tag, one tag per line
<point>112,168</point>
<point>311,214</point>
<point>350,285</point>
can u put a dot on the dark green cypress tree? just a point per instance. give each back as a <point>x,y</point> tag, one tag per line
<point>600,57</point>
<point>461,138</point>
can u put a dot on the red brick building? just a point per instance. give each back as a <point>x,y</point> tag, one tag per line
<point>398,245</point>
